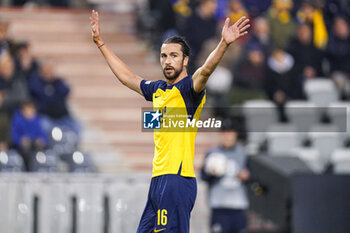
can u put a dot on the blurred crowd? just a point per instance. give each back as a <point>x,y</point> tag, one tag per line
<point>53,3</point>
<point>289,42</point>
<point>34,110</point>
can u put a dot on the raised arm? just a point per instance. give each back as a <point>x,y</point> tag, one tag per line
<point>119,68</point>
<point>228,36</point>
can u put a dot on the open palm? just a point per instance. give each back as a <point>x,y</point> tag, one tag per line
<point>95,26</point>
<point>231,33</point>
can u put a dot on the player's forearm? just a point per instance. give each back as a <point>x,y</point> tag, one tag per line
<point>200,77</point>
<point>120,69</point>
<point>213,59</point>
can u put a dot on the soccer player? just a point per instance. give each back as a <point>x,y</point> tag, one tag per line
<point>173,186</point>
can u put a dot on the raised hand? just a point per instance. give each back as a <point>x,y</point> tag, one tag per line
<point>231,33</point>
<point>95,27</point>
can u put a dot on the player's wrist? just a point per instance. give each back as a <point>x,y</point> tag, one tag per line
<point>99,43</point>
<point>224,42</point>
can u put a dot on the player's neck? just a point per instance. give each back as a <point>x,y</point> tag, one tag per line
<point>181,76</point>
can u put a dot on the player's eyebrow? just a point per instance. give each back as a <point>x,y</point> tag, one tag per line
<point>171,53</point>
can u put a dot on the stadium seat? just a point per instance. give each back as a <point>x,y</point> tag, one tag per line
<point>340,160</point>
<point>339,113</point>
<point>326,139</point>
<point>44,161</point>
<point>11,161</point>
<point>64,143</point>
<point>311,156</point>
<point>281,138</point>
<point>303,114</point>
<point>321,91</point>
<point>79,162</point>
<point>62,138</point>
<point>259,115</point>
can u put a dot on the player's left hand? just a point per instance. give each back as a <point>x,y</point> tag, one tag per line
<point>231,33</point>
<point>95,27</point>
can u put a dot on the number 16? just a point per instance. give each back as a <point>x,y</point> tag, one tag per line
<point>162,218</point>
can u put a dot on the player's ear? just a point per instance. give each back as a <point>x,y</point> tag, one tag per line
<point>186,58</point>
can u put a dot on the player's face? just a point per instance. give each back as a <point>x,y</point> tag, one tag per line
<point>172,61</point>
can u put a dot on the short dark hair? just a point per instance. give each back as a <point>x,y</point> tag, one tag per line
<point>27,102</point>
<point>185,48</point>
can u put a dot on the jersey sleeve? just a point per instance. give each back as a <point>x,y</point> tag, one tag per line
<point>196,96</point>
<point>148,88</point>
<point>192,99</point>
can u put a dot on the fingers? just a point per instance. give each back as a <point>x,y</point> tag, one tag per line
<point>94,15</point>
<point>240,21</point>
<point>93,24</point>
<point>242,25</point>
<point>94,20</point>
<point>243,33</point>
<point>245,22</point>
<point>227,22</point>
<point>244,28</point>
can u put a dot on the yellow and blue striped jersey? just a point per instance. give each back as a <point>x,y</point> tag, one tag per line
<point>174,149</point>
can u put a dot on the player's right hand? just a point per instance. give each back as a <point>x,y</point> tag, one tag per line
<point>95,27</point>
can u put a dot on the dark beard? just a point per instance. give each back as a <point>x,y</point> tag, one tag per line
<point>174,76</point>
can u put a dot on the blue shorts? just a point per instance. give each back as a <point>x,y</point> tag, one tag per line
<point>170,202</point>
<point>228,221</point>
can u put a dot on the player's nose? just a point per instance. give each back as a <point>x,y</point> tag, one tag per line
<point>167,61</point>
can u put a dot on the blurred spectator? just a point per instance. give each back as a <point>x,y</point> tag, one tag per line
<point>50,94</point>
<point>182,7</point>
<point>338,47</point>
<point>163,16</point>
<point>308,58</point>
<point>57,3</point>
<point>257,7</point>
<point>261,35</point>
<point>309,14</point>
<point>26,64</point>
<point>19,2</point>
<point>225,171</point>
<point>200,27</point>
<point>231,56</point>
<point>4,123</point>
<point>221,11</point>
<point>338,52</point>
<point>335,8</point>
<point>249,75</point>
<point>236,10</point>
<point>26,131</point>
<point>4,146</point>
<point>282,83</point>
<point>4,41</point>
<point>14,86</point>
<point>165,13</point>
<point>281,22</point>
